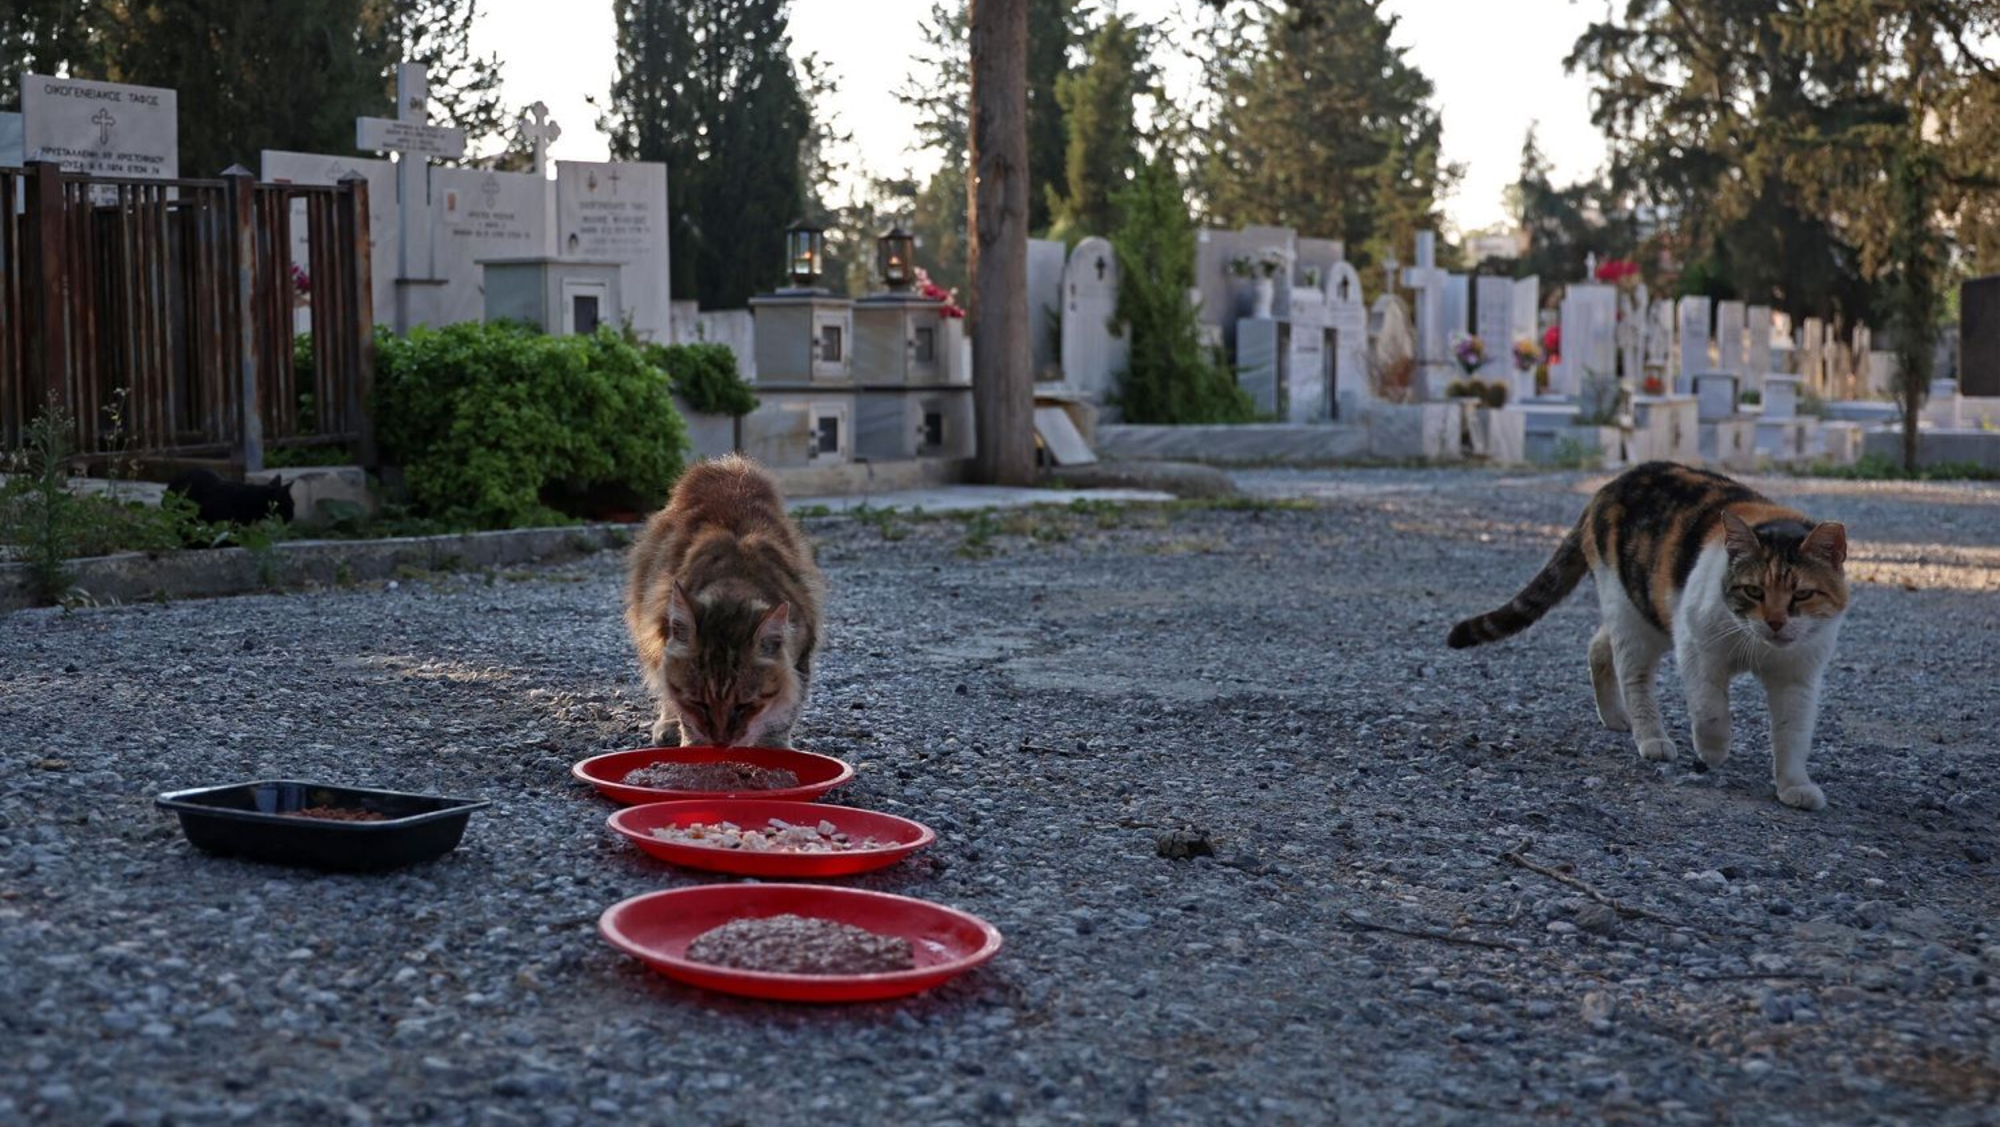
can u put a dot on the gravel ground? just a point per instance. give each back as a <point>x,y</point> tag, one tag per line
<point>1052,694</point>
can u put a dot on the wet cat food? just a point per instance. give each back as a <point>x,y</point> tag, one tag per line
<point>339,814</point>
<point>788,944</point>
<point>728,775</point>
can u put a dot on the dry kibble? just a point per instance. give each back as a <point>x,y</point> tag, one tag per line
<point>779,836</point>
<point>789,944</point>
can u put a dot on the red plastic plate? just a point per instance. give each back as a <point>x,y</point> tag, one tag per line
<point>900,837</point>
<point>658,926</point>
<point>817,773</point>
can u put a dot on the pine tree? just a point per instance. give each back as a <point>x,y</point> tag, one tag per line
<point>1103,152</point>
<point>1317,122</point>
<point>1171,378</point>
<point>708,87</point>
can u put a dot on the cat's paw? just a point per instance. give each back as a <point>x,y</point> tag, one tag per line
<point>1656,750</point>
<point>1614,719</point>
<point>1805,796</point>
<point>1713,756</point>
<point>662,728</point>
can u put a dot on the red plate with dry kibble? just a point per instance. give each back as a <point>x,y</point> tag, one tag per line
<point>659,927</point>
<point>767,838</point>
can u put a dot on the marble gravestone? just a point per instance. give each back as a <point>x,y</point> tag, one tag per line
<point>617,212</point>
<point>1094,348</point>
<point>1693,342</point>
<point>321,169</point>
<point>1045,300</point>
<point>1347,316</point>
<point>1756,347</point>
<point>479,214</point>
<point>1432,340</point>
<point>1731,338</point>
<point>1589,337</point>
<point>1494,326</point>
<point>1631,331</point>
<point>1812,354</point>
<point>1658,354</point>
<point>1457,307</point>
<point>102,128</point>
<point>10,140</point>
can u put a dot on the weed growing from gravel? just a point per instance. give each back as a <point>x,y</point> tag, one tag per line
<point>980,528</point>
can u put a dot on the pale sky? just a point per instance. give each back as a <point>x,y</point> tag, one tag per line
<point>1496,65</point>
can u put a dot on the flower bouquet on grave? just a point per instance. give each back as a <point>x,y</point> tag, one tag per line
<point>1311,276</point>
<point>1469,351</point>
<point>301,286</point>
<point>934,292</point>
<point>1527,354</point>
<point>1271,261</point>
<point>1653,386</point>
<point>1242,266</point>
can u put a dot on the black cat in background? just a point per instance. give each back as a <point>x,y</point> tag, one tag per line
<point>233,502</point>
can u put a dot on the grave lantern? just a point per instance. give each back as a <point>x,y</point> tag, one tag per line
<point>805,252</point>
<point>894,252</point>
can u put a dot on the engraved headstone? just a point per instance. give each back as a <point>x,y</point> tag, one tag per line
<point>1756,347</point>
<point>1094,348</point>
<point>1693,343</point>
<point>617,212</point>
<point>1589,337</point>
<point>1731,341</point>
<point>1494,322</point>
<point>101,128</point>
<point>480,214</point>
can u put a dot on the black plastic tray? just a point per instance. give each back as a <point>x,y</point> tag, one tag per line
<point>254,820</point>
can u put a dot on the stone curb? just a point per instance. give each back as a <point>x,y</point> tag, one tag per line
<point>133,577</point>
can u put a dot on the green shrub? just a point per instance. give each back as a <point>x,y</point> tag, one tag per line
<point>705,375</point>
<point>1170,377</point>
<point>494,422</point>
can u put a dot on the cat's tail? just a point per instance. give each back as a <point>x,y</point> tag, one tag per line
<point>1550,586</point>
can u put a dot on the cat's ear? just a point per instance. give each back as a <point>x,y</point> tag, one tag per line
<point>1827,541</point>
<point>1740,538</point>
<point>771,632</point>
<point>680,620</point>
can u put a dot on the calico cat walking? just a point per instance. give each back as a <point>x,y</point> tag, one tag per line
<point>724,607</point>
<point>1694,562</point>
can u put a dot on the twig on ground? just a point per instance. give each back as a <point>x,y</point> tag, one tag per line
<point>1629,911</point>
<point>1424,933</point>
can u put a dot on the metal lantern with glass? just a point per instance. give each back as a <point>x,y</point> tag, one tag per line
<point>894,251</point>
<point>805,251</point>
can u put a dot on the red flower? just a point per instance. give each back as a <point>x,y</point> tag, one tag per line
<point>1615,270</point>
<point>1552,340</point>
<point>1653,386</point>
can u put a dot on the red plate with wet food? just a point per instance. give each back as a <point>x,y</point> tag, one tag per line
<point>666,774</point>
<point>660,927</point>
<point>761,837</point>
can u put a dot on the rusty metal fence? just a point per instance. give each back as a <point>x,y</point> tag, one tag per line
<point>159,315</point>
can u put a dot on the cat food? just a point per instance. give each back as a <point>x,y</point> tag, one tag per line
<point>728,775</point>
<point>789,944</point>
<point>779,836</point>
<point>339,814</point>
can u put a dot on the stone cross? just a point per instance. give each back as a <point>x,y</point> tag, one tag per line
<point>1428,281</point>
<point>541,131</point>
<point>103,121</point>
<point>415,140</point>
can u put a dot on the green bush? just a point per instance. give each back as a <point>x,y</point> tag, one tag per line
<point>1171,377</point>
<point>705,375</point>
<point>494,422</point>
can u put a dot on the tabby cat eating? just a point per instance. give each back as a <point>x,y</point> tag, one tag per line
<point>1695,562</point>
<point>724,608</point>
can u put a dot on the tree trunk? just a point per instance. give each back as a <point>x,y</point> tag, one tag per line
<point>1003,390</point>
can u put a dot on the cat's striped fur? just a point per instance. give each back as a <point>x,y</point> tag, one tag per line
<point>1696,562</point>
